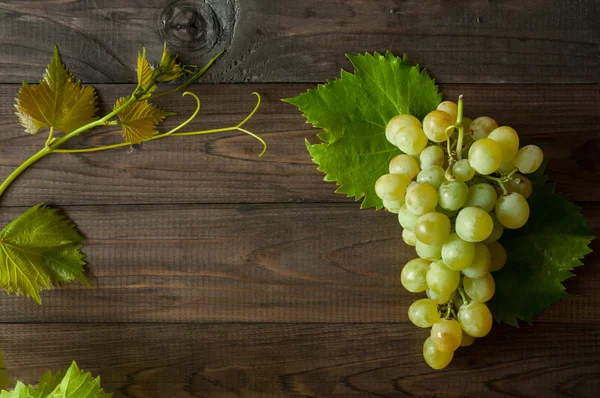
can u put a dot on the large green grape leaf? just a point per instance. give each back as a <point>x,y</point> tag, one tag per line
<point>38,249</point>
<point>353,110</point>
<point>540,256</point>
<point>74,383</point>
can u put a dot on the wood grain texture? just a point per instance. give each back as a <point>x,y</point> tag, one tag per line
<point>536,41</point>
<point>563,120</point>
<point>314,360</point>
<point>250,263</point>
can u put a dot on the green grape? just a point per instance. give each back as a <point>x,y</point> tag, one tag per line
<point>512,210</point>
<point>481,127</point>
<point>473,224</point>
<point>407,219</point>
<point>414,275</point>
<point>453,195</point>
<point>462,170</point>
<point>432,175</point>
<point>432,156</point>
<point>475,319</point>
<point>528,159</point>
<point>467,127</point>
<point>404,165</point>
<point>432,228</point>
<point>411,140</point>
<point>480,289</point>
<point>485,156</point>
<point>498,256</point>
<point>520,184</point>
<point>421,198</point>
<point>391,186</point>
<point>497,231</point>
<point>467,340</point>
<point>438,298</point>
<point>435,358</point>
<point>482,195</point>
<point>441,279</point>
<point>457,254</point>
<point>451,108</point>
<point>409,237</point>
<point>435,125</point>
<point>393,206</point>
<point>480,265</point>
<point>446,335</point>
<point>399,122</point>
<point>423,313</point>
<point>429,252</point>
<point>506,167</point>
<point>508,139</point>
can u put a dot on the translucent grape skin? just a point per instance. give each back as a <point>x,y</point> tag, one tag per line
<point>407,219</point>
<point>498,256</point>
<point>446,335</point>
<point>435,358</point>
<point>528,159</point>
<point>512,210</point>
<point>437,298</point>
<point>467,340</point>
<point>404,165</point>
<point>520,184</point>
<point>441,279</point>
<point>457,254</point>
<point>399,122</point>
<point>482,126</point>
<point>435,125</point>
<point>480,265</point>
<point>391,187</point>
<point>462,170</point>
<point>421,198</point>
<point>480,289</point>
<point>485,156</point>
<point>482,195</point>
<point>451,108</point>
<point>432,175</point>
<point>497,231</point>
<point>432,228</point>
<point>393,206</point>
<point>508,139</point>
<point>423,313</point>
<point>453,195</point>
<point>475,319</point>
<point>409,237</point>
<point>473,224</point>
<point>428,252</point>
<point>414,275</point>
<point>432,156</point>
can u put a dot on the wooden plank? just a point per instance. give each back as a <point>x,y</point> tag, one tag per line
<point>274,360</point>
<point>537,41</point>
<point>563,120</point>
<point>251,263</point>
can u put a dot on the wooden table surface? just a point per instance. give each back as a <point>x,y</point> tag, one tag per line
<point>221,274</point>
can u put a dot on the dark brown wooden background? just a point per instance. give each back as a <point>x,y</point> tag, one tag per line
<point>218,273</point>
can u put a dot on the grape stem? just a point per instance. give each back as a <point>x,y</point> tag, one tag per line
<point>460,127</point>
<point>501,180</point>
<point>456,154</point>
<point>463,295</point>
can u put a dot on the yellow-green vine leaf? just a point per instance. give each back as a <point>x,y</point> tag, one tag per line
<point>74,383</point>
<point>353,111</point>
<point>170,69</point>
<point>39,249</point>
<point>139,120</point>
<point>59,101</point>
<point>144,72</point>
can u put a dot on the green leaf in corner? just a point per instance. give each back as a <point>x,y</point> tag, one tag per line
<point>59,101</point>
<point>540,256</point>
<point>39,249</point>
<point>353,111</point>
<point>73,383</point>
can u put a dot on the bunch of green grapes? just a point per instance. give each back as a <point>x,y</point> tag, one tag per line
<point>458,184</point>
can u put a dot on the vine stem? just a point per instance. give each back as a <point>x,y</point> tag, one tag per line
<point>461,128</point>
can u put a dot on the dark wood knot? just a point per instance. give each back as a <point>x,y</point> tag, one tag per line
<point>193,25</point>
